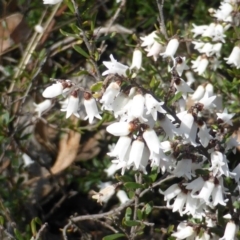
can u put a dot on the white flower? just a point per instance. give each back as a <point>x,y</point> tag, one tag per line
<point>119,105</point>
<point>51,2</point>
<point>149,40</point>
<point>151,140</point>
<point>187,122</point>
<point>27,160</point>
<point>120,128</point>
<point>72,107</point>
<point>225,117</point>
<point>122,196</point>
<point>121,148</point>
<point>234,57</point>
<point>230,231</point>
<point>204,135</point>
<point>190,78</point>
<point>182,86</point>
<point>180,65</point>
<point>155,50</point>
<point>109,96</point>
<point>171,48</point>
<point>114,67</point>
<point>136,152</point>
<point>104,194</point>
<point>53,91</point>
<point>224,12</point>
<point>91,107</point>
<point>199,92</point>
<point>136,59</point>
<point>184,232</point>
<point>200,64</point>
<point>137,107</point>
<point>43,106</point>
<point>198,30</point>
<point>153,106</point>
<point>184,169</point>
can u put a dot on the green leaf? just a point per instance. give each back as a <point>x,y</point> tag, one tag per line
<point>154,173</point>
<point>147,208</point>
<point>114,236</point>
<point>33,227</point>
<point>96,86</point>
<point>18,234</point>
<point>66,34</point>
<point>81,51</point>
<point>1,220</point>
<point>131,223</point>
<point>175,98</point>
<point>128,214</point>
<point>133,185</point>
<point>70,5</point>
<point>139,214</point>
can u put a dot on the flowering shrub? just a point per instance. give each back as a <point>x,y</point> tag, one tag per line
<point>171,108</point>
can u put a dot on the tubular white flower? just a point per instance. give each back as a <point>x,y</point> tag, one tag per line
<point>90,107</point>
<point>136,153</point>
<point>184,169</point>
<point>136,59</point>
<point>43,106</point>
<point>199,92</point>
<point>109,96</point>
<point>217,196</point>
<point>151,140</point>
<point>181,65</point>
<point>153,106</point>
<point>195,185</point>
<point>190,78</point>
<point>187,121</point>
<point>114,67</point>
<point>206,191</point>
<point>51,2</point>
<point>149,40</point>
<point>171,48</point>
<point>155,50</point>
<point>179,203</point>
<point>204,135</point>
<point>120,128</point>
<point>200,64</point>
<point>119,105</point>
<point>104,194</point>
<point>182,86</point>
<point>72,107</point>
<point>121,148</point>
<point>53,91</point>
<point>27,160</point>
<point>225,117</point>
<point>234,57</point>
<point>171,192</point>
<point>184,232</point>
<point>122,196</point>
<point>137,107</point>
<point>198,30</point>
<point>230,231</point>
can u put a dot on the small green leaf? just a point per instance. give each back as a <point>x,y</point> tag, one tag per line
<point>33,227</point>
<point>18,234</point>
<point>148,208</point>
<point>131,223</point>
<point>70,5</point>
<point>132,185</point>
<point>96,86</point>
<point>1,220</point>
<point>66,34</point>
<point>81,51</point>
<point>139,214</point>
<point>128,214</point>
<point>114,236</point>
<point>175,98</point>
<point>154,173</point>
<point>131,194</point>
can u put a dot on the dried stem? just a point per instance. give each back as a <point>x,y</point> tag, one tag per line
<point>160,4</point>
<point>86,41</point>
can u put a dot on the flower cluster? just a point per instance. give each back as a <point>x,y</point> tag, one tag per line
<point>179,139</point>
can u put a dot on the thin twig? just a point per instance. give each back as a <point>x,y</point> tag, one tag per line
<point>40,231</point>
<point>123,206</point>
<point>160,4</point>
<point>86,41</point>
